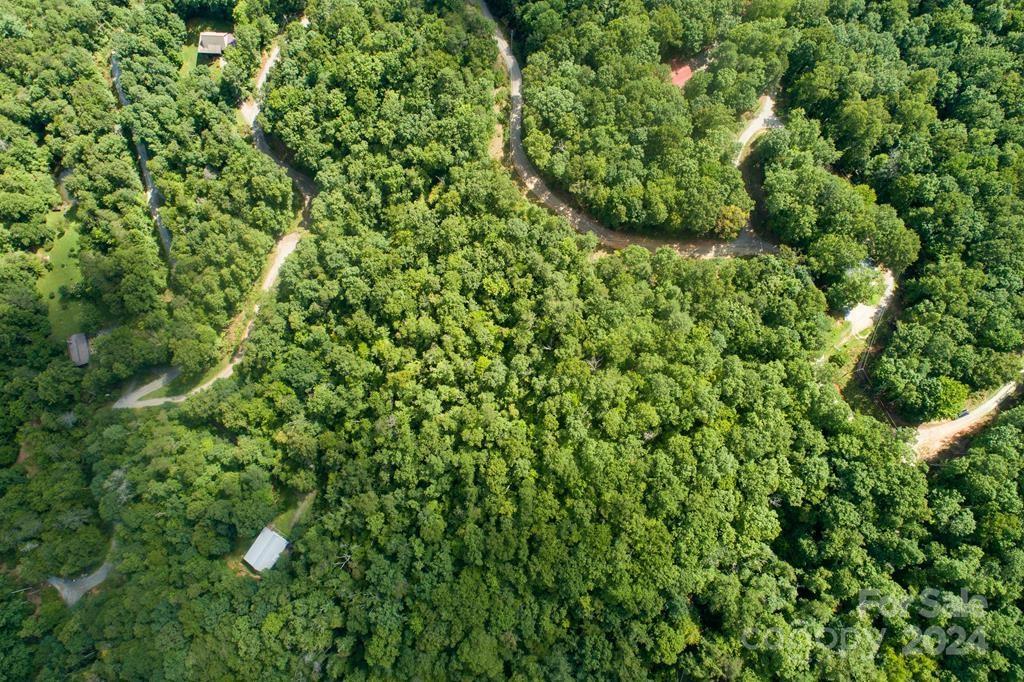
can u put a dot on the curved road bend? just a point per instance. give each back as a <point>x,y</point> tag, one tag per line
<point>747,244</point>
<point>764,120</point>
<point>934,438</point>
<point>863,317</point>
<point>73,590</point>
<point>250,110</point>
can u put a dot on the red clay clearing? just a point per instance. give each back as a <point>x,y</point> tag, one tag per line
<point>681,72</point>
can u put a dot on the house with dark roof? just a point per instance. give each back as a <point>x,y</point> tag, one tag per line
<point>78,349</point>
<point>214,42</point>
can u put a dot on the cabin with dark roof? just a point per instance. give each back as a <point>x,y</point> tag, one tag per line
<point>78,349</point>
<point>214,42</point>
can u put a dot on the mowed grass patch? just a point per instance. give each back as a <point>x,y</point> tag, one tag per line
<point>190,50</point>
<point>66,316</point>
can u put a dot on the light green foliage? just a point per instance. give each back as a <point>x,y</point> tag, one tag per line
<point>836,223</point>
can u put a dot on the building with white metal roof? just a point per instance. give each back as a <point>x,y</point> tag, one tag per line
<point>265,550</point>
<point>214,42</point>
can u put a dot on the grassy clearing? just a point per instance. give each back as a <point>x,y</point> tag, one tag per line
<point>842,364</point>
<point>190,50</point>
<point>286,521</point>
<point>66,316</point>
<point>833,338</point>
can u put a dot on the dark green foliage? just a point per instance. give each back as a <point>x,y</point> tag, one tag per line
<point>529,462</point>
<point>218,8</point>
<point>58,113</point>
<point>47,515</point>
<point>224,202</point>
<point>24,346</point>
<point>603,122</point>
<point>15,654</point>
<point>923,104</point>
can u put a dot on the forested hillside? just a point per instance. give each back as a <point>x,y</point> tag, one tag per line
<point>921,102</point>
<point>525,459</point>
<point>223,201</point>
<point>602,120</point>
<point>59,126</point>
<point>927,110</point>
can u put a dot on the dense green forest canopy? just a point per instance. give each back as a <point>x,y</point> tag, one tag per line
<point>603,121</point>
<point>919,105</point>
<point>924,104</point>
<point>525,459</point>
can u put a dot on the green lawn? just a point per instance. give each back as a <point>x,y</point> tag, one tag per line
<point>296,509</point>
<point>189,51</point>
<point>65,316</point>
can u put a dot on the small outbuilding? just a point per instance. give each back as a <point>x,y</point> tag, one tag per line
<point>78,349</point>
<point>214,42</point>
<point>265,550</point>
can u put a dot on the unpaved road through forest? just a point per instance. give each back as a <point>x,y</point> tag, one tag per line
<point>284,247</point>
<point>73,590</point>
<point>747,244</point>
<point>935,438</point>
<point>932,438</point>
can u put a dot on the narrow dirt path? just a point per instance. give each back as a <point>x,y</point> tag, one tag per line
<point>747,244</point>
<point>764,120</point>
<point>287,244</point>
<point>152,193</point>
<point>863,317</point>
<point>136,398</point>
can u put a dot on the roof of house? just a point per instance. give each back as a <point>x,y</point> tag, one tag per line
<point>265,550</point>
<point>78,349</point>
<point>214,42</point>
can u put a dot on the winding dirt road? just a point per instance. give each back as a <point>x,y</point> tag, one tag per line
<point>934,439</point>
<point>250,109</point>
<point>747,244</point>
<point>136,397</point>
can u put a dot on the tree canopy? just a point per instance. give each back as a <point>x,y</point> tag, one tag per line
<point>497,452</point>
